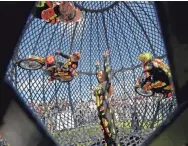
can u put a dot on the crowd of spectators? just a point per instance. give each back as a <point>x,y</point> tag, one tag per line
<point>3,142</point>
<point>59,114</point>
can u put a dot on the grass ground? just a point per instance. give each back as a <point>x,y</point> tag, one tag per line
<point>80,134</point>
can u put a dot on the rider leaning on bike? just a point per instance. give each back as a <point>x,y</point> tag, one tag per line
<point>53,12</point>
<point>157,73</point>
<point>67,68</point>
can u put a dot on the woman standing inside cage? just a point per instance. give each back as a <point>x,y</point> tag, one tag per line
<point>105,113</point>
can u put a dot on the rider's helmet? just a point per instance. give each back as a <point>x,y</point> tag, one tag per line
<point>144,57</point>
<point>77,54</point>
<point>50,60</point>
<point>69,8</point>
<point>78,15</point>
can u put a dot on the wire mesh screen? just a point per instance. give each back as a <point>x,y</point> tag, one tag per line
<point>68,109</point>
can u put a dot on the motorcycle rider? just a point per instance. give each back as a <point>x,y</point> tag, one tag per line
<point>157,74</point>
<point>67,68</point>
<point>53,12</point>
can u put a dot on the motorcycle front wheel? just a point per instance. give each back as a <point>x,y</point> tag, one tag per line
<point>143,92</point>
<point>29,64</point>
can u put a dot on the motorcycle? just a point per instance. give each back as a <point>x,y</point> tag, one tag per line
<point>147,93</point>
<point>37,62</point>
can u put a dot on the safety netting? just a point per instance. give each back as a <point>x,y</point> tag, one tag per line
<point>68,110</point>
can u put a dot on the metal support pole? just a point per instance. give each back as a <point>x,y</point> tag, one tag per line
<point>70,98</point>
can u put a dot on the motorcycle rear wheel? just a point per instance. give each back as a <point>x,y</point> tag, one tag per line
<point>29,64</point>
<point>145,93</point>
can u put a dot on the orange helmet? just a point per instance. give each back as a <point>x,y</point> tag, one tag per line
<point>77,54</point>
<point>50,60</point>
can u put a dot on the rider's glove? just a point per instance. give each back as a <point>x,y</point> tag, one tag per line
<point>74,73</point>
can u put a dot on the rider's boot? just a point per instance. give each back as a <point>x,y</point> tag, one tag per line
<point>167,93</point>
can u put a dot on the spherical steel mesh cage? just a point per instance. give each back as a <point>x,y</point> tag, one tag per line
<point>68,109</point>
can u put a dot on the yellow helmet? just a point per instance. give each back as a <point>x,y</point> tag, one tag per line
<point>144,57</point>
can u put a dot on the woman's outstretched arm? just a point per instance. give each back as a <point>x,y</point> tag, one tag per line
<point>107,68</point>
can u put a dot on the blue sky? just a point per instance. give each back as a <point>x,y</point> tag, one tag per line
<point>126,39</point>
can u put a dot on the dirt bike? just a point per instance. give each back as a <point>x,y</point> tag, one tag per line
<point>147,93</point>
<point>36,63</point>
